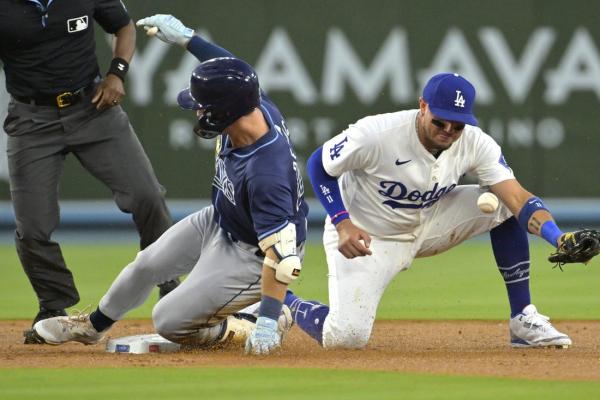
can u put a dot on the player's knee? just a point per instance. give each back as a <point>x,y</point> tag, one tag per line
<point>165,323</point>
<point>175,328</point>
<point>346,335</point>
<point>147,264</point>
<point>140,265</point>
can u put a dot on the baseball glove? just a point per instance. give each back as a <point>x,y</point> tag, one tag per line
<point>577,247</point>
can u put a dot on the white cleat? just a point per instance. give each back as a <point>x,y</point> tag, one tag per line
<point>74,328</point>
<point>531,329</point>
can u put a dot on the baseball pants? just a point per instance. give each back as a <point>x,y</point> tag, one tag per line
<point>39,138</point>
<point>356,285</point>
<point>223,277</point>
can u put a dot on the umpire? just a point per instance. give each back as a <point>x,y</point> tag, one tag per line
<point>59,105</point>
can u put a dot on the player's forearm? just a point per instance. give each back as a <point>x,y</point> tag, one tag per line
<point>326,188</point>
<point>204,50</point>
<point>531,212</point>
<point>537,219</point>
<point>272,294</point>
<point>124,44</point>
<point>272,287</point>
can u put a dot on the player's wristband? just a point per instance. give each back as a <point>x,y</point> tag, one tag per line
<point>551,232</point>
<point>118,67</point>
<point>531,205</point>
<point>339,217</point>
<point>270,307</point>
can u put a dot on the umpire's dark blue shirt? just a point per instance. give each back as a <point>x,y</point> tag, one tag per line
<point>49,49</point>
<point>258,189</point>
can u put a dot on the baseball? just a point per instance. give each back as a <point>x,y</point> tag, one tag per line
<point>487,202</point>
<point>151,31</point>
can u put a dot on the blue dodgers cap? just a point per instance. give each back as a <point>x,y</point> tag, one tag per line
<point>451,97</point>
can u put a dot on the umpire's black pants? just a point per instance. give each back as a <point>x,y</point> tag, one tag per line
<point>39,138</point>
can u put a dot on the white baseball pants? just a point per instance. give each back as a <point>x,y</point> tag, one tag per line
<point>356,285</point>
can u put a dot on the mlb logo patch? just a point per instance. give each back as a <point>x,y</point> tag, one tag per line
<point>77,24</point>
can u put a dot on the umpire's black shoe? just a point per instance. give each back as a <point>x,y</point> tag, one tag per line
<point>44,313</point>
<point>167,287</point>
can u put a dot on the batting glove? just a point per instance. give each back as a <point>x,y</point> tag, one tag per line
<point>264,338</point>
<point>170,29</point>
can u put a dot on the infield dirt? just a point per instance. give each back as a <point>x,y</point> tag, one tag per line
<point>474,348</point>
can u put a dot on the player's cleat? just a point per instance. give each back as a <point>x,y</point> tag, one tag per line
<point>237,330</point>
<point>74,328</point>
<point>531,329</point>
<point>44,313</point>
<point>284,323</point>
<point>240,325</point>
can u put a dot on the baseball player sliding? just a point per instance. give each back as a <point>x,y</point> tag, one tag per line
<point>247,246</point>
<point>389,184</point>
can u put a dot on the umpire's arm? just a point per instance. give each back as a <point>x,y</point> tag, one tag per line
<point>111,90</point>
<point>124,43</point>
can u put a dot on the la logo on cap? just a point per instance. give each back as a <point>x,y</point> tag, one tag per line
<point>459,101</point>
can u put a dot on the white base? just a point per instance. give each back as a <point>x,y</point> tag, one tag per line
<point>141,344</point>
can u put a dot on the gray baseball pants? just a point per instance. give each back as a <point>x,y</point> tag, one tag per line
<point>39,138</point>
<point>223,277</point>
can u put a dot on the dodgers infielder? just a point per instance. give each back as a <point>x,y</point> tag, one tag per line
<point>390,185</point>
<point>247,246</point>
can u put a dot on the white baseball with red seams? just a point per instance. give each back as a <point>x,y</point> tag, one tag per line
<point>488,202</point>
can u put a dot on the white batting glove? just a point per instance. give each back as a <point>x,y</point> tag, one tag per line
<point>264,338</point>
<point>170,29</point>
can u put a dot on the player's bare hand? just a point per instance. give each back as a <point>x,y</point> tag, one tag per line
<point>353,241</point>
<point>109,93</point>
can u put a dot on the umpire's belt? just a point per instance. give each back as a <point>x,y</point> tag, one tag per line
<point>249,247</point>
<point>60,100</point>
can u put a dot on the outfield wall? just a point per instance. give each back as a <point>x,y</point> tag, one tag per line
<point>535,63</point>
<point>101,214</point>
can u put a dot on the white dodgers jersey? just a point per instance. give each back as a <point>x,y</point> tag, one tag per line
<point>389,181</point>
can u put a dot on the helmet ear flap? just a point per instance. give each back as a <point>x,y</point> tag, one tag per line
<point>203,130</point>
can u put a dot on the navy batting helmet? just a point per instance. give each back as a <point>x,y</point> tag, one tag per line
<point>225,89</point>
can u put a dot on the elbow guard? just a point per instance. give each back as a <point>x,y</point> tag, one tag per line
<point>288,265</point>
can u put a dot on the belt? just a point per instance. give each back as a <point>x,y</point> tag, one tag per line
<point>60,100</point>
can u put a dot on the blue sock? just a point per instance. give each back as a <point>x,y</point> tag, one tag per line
<point>308,315</point>
<point>511,250</point>
<point>100,321</point>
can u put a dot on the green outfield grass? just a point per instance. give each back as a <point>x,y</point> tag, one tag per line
<point>462,283</point>
<point>269,383</point>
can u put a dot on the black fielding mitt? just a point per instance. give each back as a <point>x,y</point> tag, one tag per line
<point>577,247</point>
